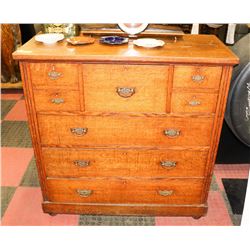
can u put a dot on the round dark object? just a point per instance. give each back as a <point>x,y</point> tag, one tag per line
<point>238,106</point>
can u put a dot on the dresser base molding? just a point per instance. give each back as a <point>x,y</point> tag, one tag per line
<point>195,211</point>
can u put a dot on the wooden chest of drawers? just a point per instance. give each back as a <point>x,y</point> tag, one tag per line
<point>126,130</point>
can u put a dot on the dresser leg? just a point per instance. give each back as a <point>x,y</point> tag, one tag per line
<point>197,217</point>
<point>52,214</point>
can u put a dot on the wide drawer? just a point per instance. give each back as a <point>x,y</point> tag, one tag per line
<point>125,88</point>
<point>113,190</point>
<point>118,130</point>
<point>57,100</point>
<point>54,75</point>
<point>202,77</point>
<point>109,162</point>
<point>193,102</point>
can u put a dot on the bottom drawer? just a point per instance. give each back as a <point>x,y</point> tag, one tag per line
<point>111,190</point>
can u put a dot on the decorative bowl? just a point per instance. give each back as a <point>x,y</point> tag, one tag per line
<point>80,40</point>
<point>49,38</point>
<point>113,40</point>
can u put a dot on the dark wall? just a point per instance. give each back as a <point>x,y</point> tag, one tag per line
<point>27,32</point>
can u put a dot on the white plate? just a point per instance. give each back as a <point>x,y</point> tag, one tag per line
<point>148,42</point>
<point>49,38</point>
<point>133,28</point>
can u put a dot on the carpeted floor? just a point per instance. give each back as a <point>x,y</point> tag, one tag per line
<point>21,196</point>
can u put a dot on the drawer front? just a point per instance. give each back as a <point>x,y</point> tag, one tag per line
<point>116,130</point>
<point>160,191</point>
<point>56,100</point>
<point>54,75</point>
<point>77,163</point>
<point>125,88</point>
<point>203,77</point>
<point>193,102</point>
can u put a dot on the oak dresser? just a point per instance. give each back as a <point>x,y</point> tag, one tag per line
<point>123,129</point>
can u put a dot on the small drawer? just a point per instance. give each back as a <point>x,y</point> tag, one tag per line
<point>56,100</point>
<point>111,190</point>
<point>77,163</point>
<point>125,88</point>
<point>193,102</point>
<point>200,77</point>
<point>54,75</point>
<point>77,130</point>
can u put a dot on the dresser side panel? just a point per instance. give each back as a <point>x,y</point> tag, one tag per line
<point>222,100</point>
<point>33,125</point>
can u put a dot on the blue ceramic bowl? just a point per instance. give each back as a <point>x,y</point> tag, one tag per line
<point>113,40</point>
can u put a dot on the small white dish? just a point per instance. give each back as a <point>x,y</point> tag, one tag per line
<point>49,38</point>
<point>148,42</point>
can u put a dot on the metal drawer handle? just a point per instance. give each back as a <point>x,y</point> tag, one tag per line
<point>194,103</point>
<point>125,92</point>
<point>57,100</point>
<point>168,164</point>
<point>79,131</point>
<point>172,132</point>
<point>165,192</point>
<point>81,163</point>
<point>53,74</point>
<point>84,192</point>
<point>198,78</point>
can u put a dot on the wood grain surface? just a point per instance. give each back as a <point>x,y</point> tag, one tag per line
<point>149,85</point>
<point>193,102</point>
<point>57,100</point>
<point>125,209</point>
<point>198,49</point>
<point>124,162</point>
<point>116,130</point>
<point>68,75</point>
<point>184,77</point>
<point>115,190</point>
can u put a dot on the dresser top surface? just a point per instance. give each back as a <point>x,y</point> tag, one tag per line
<point>188,49</point>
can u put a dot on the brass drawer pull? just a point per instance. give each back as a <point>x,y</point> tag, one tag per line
<point>84,192</point>
<point>165,192</point>
<point>81,163</point>
<point>125,92</point>
<point>172,133</point>
<point>57,100</point>
<point>79,131</point>
<point>53,74</point>
<point>194,103</point>
<point>168,164</point>
<point>198,78</point>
